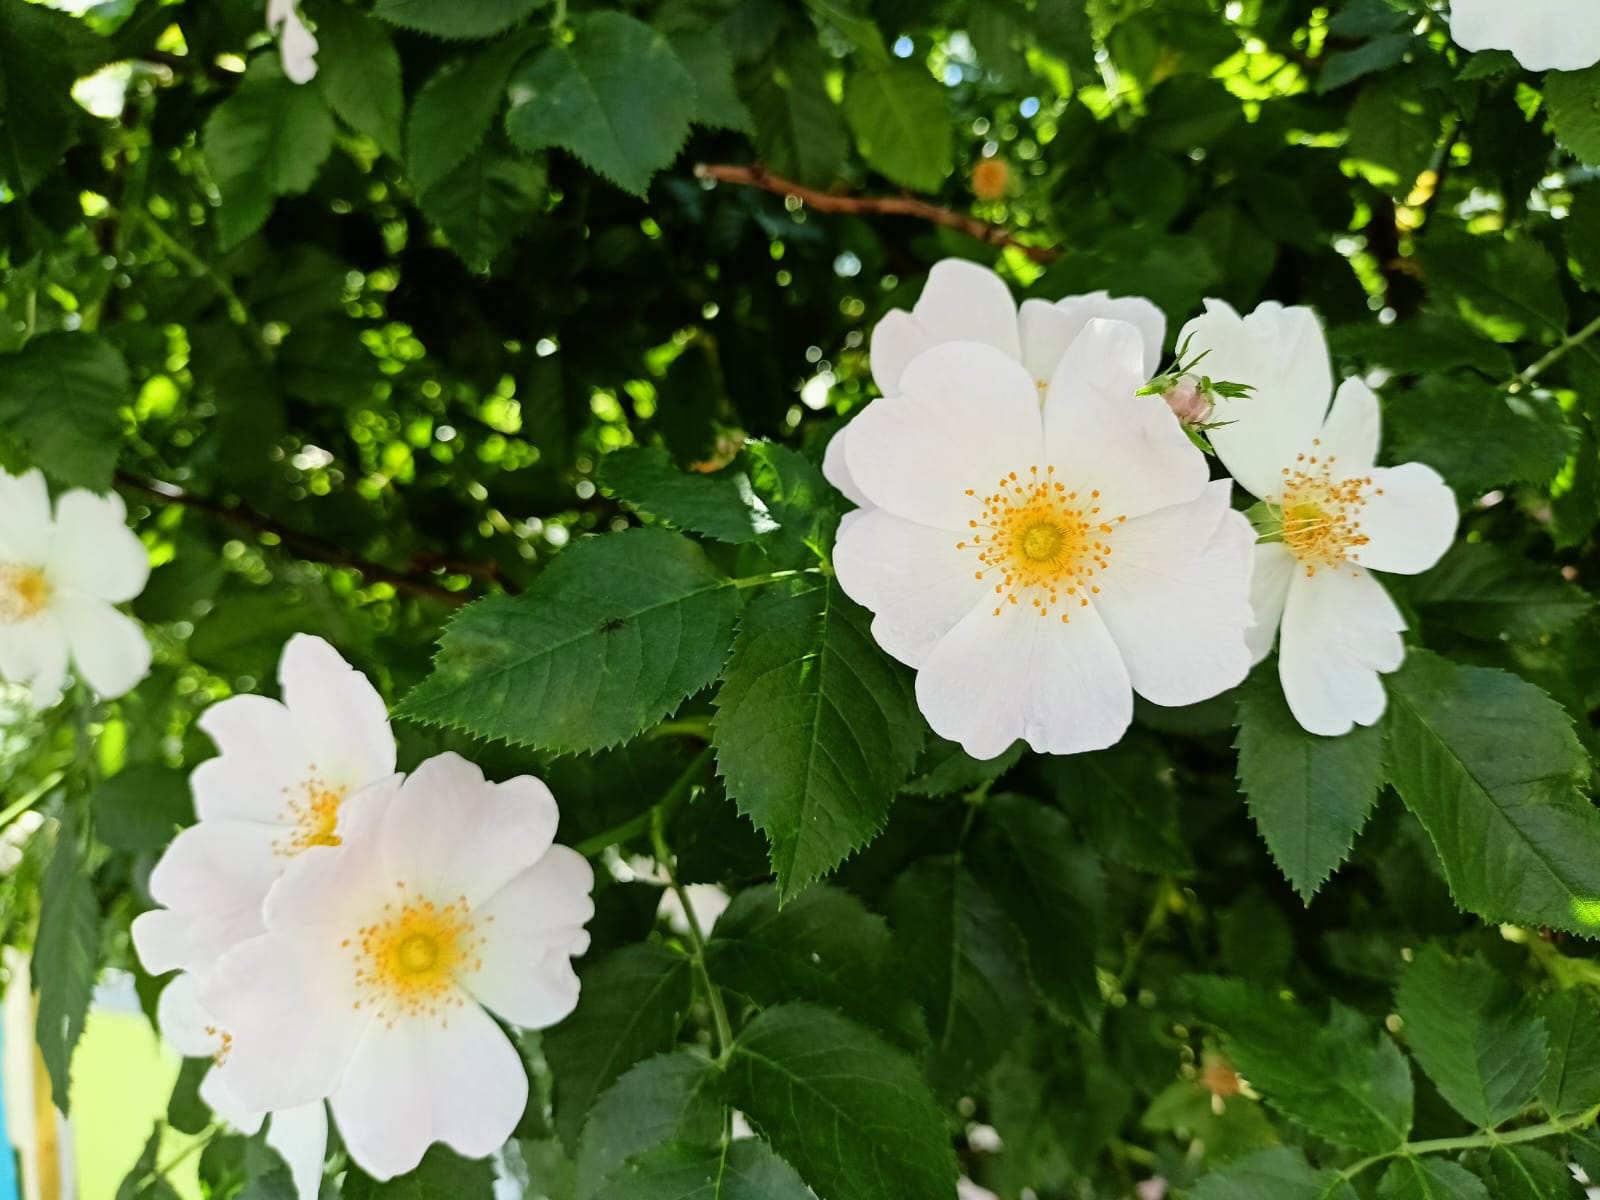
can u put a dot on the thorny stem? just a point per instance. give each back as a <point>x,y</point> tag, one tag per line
<point>1477,1141</point>
<point>666,806</point>
<point>1568,344</point>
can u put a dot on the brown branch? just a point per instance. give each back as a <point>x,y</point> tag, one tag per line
<point>304,545</point>
<point>758,176</point>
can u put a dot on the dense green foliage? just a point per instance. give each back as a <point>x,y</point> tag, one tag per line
<point>453,347</point>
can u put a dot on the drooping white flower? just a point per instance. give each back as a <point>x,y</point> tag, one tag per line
<point>1038,567</point>
<point>1543,35</point>
<point>965,302</point>
<point>1342,516</point>
<point>299,1135</point>
<point>60,575</point>
<point>446,897</point>
<point>296,42</point>
<point>277,788</point>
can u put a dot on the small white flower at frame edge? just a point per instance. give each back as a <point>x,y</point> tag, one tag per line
<point>299,1135</point>
<point>965,302</point>
<point>277,788</point>
<point>296,42</point>
<point>446,897</point>
<point>60,575</point>
<point>1342,517</point>
<point>1543,35</point>
<point>1039,567</point>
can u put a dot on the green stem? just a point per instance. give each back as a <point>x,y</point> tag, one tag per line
<point>1477,1141</point>
<point>14,810</point>
<point>749,581</point>
<point>666,806</point>
<point>696,727</point>
<point>238,311</point>
<point>697,937</point>
<point>1568,344</point>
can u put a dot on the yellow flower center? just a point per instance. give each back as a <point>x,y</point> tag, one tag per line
<point>409,960</point>
<point>1321,512</point>
<point>24,593</point>
<point>312,809</point>
<point>1037,538</point>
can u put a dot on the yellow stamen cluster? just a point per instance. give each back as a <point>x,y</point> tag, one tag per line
<point>409,960</point>
<point>312,808</point>
<point>220,1057</point>
<point>1320,512</point>
<point>1041,539</point>
<point>24,593</point>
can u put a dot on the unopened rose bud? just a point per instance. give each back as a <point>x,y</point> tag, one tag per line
<point>1220,1077</point>
<point>989,178</point>
<point>1189,402</point>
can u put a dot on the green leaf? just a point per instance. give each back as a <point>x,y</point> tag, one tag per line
<point>1309,796</point>
<point>1571,1081</point>
<point>901,119</point>
<point>1429,1179</point>
<point>743,1170</point>
<point>796,496</point>
<point>41,53</point>
<point>1065,29</point>
<point>853,1116</point>
<point>800,132</point>
<point>1486,64</point>
<point>617,97</point>
<point>1573,99</point>
<point>358,69</point>
<point>670,1098</point>
<point>1343,1081</point>
<point>1346,66</point>
<point>721,506</point>
<point>816,728</point>
<point>1491,767</point>
<point>1124,799</point>
<point>1394,126</point>
<point>269,139</point>
<point>1474,1034</point>
<point>1511,288</point>
<point>485,201</point>
<point>706,58</point>
<point>1485,592</point>
<point>62,394</point>
<point>610,639</point>
<point>141,807</point>
<point>966,964</point>
<point>1476,435</point>
<point>1581,231</point>
<point>455,110</point>
<point>442,1175</point>
<point>1278,1173</point>
<point>823,946</point>
<point>143,1182</point>
<point>1526,1173</point>
<point>456,18</point>
<point>1054,891</point>
<point>1423,345</point>
<point>65,955</point>
<point>945,769</point>
<point>630,1008</point>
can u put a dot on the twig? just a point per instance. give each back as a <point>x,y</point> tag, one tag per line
<point>300,544</point>
<point>758,176</point>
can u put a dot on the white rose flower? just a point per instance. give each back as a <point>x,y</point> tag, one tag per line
<point>965,302</point>
<point>296,43</point>
<point>446,897</point>
<point>1543,35</point>
<point>1038,566</point>
<point>60,575</point>
<point>1342,516</point>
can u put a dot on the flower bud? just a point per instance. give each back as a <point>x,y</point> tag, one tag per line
<point>1189,401</point>
<point>989,178</point>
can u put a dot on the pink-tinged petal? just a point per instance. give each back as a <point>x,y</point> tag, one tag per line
<point>108,648</point>
<point>1352,431</point>
<point>1176,598</point>
<point>338,715</point>
<point>300,1136</point>
<point>1543,35</point>
<point>916,580</point>
<point>1282,353</point>
<point>93,552</point>
<point>449,833</point>
<point>1275,568</point>
<point>967,415</point>
<point>1340,631</point>
<point>837,472</point>
<point>532,928</point>
<point>1102,437</point>
<point>1409,518</point>
<point>260,758</point>
<point>1060,686</point>
<point>27,530</point>
<point>420,1081</point>
<point>961,302</point>
<point>293,1013</point>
